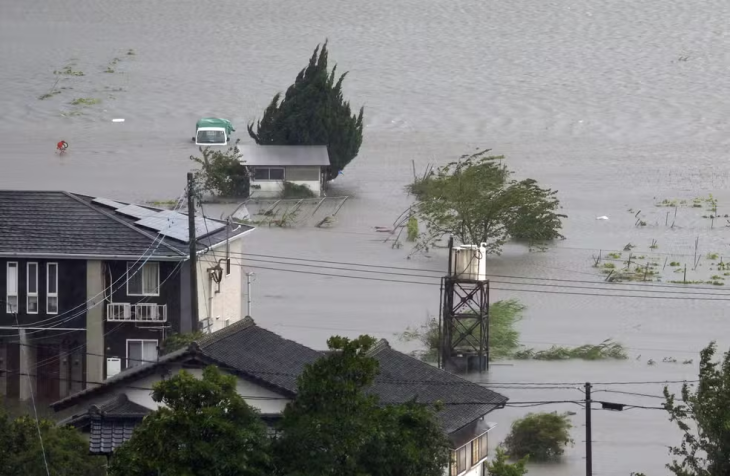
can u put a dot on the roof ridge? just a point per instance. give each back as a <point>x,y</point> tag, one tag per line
<point>127,224</point>
<point>379,346</point>
<point>232,329</point>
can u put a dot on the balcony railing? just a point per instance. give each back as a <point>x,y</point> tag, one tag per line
<point>143,312</point>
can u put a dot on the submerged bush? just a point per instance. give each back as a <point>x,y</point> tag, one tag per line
<point>292,190</point>
<point>541,436</point>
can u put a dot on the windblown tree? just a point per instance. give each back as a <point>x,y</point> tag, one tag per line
<point>477,200</point>
<point>334,427</point>
<point>63,450</point>
<point>205,429</point>
<point>703,416</point>
<point>313,112</point>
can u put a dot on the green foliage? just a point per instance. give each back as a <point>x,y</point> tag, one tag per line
<point>412,228</point>
<point>541,436</point>
<point>205,429</point>
<point>85,101</point>
<point>503,338</point>
<point>477,201</point>
<point>178,341</point>
<point>605,350</point>
<point>703,416</point>
<point>614,255</point>
<point>222,172</point>
<point>712,256</point>
<point>313,112</point>
<point>66,450</point>
<point>500,465</point>
<point>68,71</point>
<point>292,190</point>
<point>333,427</point>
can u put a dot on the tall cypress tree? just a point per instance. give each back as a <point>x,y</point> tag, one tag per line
<point>313,112</point>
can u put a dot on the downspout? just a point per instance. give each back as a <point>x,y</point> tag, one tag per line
<point>210,302</point>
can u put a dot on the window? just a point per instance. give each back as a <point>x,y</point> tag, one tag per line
<point>11,304</point>
<point>52,288</point>
<point>460,460</point>
<point>140,352</point>
<point>479,448</point>
<point>268,173</point>
<point>144,281</point>
<point>32,279</point>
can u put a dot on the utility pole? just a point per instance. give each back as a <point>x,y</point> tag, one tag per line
<point>248,294</point>
<point>193,254</point>
<point>589,445</point>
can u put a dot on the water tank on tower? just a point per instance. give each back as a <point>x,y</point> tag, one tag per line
<point>469,262</point>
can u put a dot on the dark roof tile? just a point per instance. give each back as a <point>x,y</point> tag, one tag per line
<point>63,223</point>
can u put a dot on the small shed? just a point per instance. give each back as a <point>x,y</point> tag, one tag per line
<point>271,165</point>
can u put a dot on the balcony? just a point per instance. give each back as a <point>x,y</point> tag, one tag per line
<point>144,312</point>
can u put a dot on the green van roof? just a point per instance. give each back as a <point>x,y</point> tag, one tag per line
<point>215,122</point>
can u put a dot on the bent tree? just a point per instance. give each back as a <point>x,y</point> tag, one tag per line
<point>703,416</point>
<point>477,200</point>
<point>313,112</point>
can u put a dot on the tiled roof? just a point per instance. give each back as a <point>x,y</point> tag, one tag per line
<point>274,362</point>
<point>285,155</point>
<point>404,378</point>
<point>65,224</point>
<point>109,433</point>
<point>260,354</point>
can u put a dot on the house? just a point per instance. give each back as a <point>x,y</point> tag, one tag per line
<point>267,366</point>
<point>91,286</point>
<point>270,166</point>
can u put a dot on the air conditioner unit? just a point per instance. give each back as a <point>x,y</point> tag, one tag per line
<point>113,366</point>
<point>469,262</point>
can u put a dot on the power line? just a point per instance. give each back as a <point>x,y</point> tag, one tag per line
<point>441,273</point>
<point>538,291</point>
<point>595,286</point>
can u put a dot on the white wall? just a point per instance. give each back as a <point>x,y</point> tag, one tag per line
<point>227,303</point>
<point>244,388</point>
<point>272,188</point>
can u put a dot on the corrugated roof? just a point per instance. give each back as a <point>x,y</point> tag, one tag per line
<point>285,155</point>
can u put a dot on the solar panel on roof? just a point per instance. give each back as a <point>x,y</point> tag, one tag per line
<point>108,203</point>
<point>136,212</point>
<point>175,225</point>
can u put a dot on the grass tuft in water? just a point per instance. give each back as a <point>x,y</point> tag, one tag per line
<point>605,350</point>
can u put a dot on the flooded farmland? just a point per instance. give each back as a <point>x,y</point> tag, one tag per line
<point>618,105</point>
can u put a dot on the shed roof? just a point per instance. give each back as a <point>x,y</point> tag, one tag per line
<point>285,155</point>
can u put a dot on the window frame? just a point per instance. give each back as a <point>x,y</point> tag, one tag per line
<point>8,267</point>
<point>269,169</point>
<point>479,448</point>
<point>456,468</point>
<point>49,294</point>
<point>28,293</point>
<point>131,266</point>
<point>144,360</point>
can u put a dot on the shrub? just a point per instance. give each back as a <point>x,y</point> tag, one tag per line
<point>412,228</point>
<point>222,172</point>
<point>292,190</point>
<point>541,436</point>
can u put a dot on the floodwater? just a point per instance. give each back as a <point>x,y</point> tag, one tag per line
<point>616,104</point>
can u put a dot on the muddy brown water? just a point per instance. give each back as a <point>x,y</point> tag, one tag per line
<point>616,104</point>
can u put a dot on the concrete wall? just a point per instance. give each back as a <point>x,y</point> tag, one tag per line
<point>226,304</point>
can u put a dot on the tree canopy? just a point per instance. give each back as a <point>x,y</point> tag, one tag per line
<point>64,449</point>
<point>477,200</point>
<point>313,112</point>
<point>221,172</point>
<point>335,427</point>
<point>540,436</point>
<point>703,416</point>
<point>500,465</point>
<point>205,429</point>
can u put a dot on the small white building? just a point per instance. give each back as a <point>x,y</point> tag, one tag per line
<point>270,166</point>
